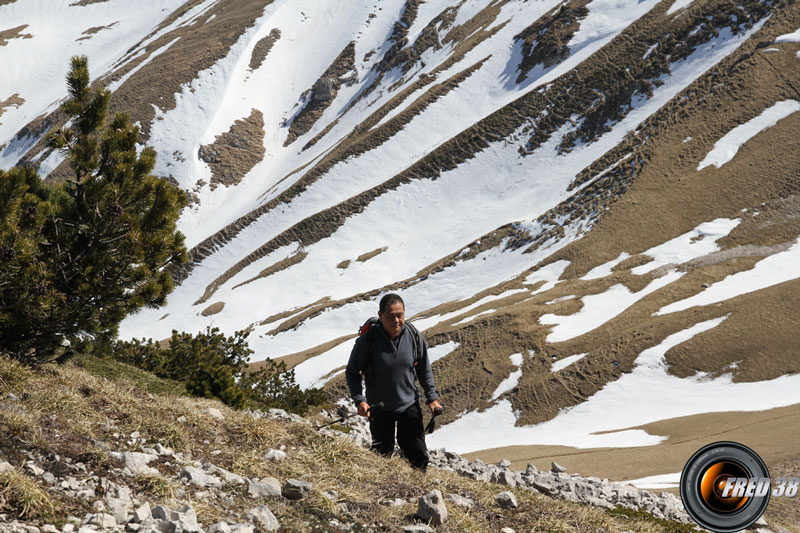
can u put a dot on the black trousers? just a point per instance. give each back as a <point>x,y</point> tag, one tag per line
<point>410,434</point>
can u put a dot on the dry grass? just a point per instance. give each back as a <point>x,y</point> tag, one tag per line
<point>23,497</point>
<point>81,416</point>
<point>156,486</point>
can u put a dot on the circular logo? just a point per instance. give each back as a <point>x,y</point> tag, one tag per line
<point>725,487</point>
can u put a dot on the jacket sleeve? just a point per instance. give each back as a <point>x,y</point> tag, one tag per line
<point>425,375</point>
<point>356,363</point>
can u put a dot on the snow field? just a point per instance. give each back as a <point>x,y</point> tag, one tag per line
<point>481,215</point>
<point>660,397</point>
<point>414,203</point>
<point>35,68</point>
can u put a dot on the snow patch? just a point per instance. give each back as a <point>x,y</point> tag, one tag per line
<point>549,274</point>
<point>441,350</point>
<point>772,270</point>
<point>793,37</point>
<point>725,148</point>
<point>699,242</point>
<point>511,381</point>
<point>660,481</point>
<point>565,362</point>
<point>678,5</point>
<point>604,270</point>
<point>600,308</point>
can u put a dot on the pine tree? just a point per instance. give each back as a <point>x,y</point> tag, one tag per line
<point>106,235</point>
<point>26,294</point>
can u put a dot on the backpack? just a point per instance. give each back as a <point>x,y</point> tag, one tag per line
<point>369,328</point>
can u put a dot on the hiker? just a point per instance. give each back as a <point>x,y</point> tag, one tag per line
<point>390,358</point>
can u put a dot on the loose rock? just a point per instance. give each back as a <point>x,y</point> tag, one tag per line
<point>200,478</point>
<point>506,500</point>
<point>295,489</point>
<point>461,501</point>
<point>275,455</point>
<point>269,486</point>
<point>263,518</point>
<point>431,508</point>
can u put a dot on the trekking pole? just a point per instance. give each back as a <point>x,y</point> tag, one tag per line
<point>432,424</point>
<point>378,406</point>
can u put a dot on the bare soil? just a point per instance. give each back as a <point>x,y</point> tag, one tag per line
<point>213,309</point>
<point>14,33</point>
<point>13,100</point>
<point>262,48</point>
<point>96,29</point>
<point>235,152</point>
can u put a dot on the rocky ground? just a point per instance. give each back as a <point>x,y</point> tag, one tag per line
<point>129,491</point>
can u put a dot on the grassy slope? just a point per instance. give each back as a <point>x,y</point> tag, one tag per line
<point>84,409</point>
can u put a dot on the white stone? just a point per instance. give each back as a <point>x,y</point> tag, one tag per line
<point>220,527</point>
<point>228,477</point>
<point>506,500</point>
<point>142,513</point>
<point>431,508</point>
<point>119,509</point>
<point>214,413</point>
<point>275,455</point>
<point>461,501</point>
<point>263,519</point>
<point>136,462</point>
<point>160,449</point>
<point>199,478</point>
<point>269,486</point>
<point>296,489</point>
<point>31,467</point>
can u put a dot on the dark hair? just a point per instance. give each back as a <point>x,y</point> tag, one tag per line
<point>390,299</point>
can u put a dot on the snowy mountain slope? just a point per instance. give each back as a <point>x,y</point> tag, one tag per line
<point>529,176</point>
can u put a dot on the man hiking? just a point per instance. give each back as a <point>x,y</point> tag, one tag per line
<point>391,358</point>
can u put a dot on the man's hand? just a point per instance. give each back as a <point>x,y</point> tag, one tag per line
<point>363,409</point>
<point>433,405</point>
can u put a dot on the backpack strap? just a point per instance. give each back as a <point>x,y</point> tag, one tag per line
<point>417,339</point>
<point>368,329</point>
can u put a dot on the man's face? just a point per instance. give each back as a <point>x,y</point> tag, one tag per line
<point>393,319</point>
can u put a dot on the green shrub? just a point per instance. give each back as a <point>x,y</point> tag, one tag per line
<point>273,385</point>
<point>212,365</point>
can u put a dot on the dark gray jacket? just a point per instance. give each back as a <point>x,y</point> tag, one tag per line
<point>390,370</point>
